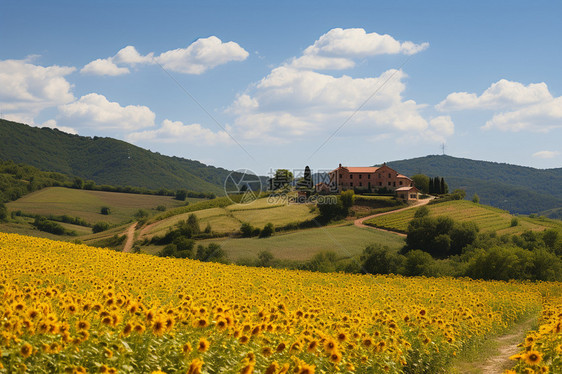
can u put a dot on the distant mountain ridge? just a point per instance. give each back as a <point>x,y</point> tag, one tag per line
<point>105,160</point>
<point>519,189</point>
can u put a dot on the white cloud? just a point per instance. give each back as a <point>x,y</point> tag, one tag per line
<point>26,89</point>
<point>541,117</point>
<point>198,57</point>
<point>129,55</point>
<point>53,125</point>
<point>94,110</point>
<point>103,67</point>
<point>202,55</point>
<point>336,49</point>
<point>500,95</point>
<point>546,154</point>
<point>291,103</point>
<point>176,131</point>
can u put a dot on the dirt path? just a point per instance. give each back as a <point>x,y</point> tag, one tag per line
<point>130,237</point>
<point>502,348</point>
<point>359,222</point>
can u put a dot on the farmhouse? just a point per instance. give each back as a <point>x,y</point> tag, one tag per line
<point>370,179</point>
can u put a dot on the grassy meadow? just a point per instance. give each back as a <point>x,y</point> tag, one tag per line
<point>346,241</point>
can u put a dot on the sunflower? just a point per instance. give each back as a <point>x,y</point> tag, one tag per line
<point>186,348</point>
<point>159,326</point>
<point>312,346</point>
<point>335,357</point>
<point>532,357</point>
<point>26,350</point>
<point>306,369</point>
<point>82,325</point>
<point>195,367</point>
<point>203,345</point>
<point>272,368</point>
<point>330,346</point>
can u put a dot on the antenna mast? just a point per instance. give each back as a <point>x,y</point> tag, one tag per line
<point>443,148</point>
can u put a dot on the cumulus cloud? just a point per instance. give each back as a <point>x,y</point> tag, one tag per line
<point>26,89</point>
<point>104,66</point>
<point>94,110</point>
<point>515,106</point>
<point>546,154</point>
<point>541,117</point>
<point>176,131</point>
<point>295,100</point>
<point>336,49</point>
<point>198,57</point>
<point>291,103</point>
<point>202,55</point>
<point>500,95</point>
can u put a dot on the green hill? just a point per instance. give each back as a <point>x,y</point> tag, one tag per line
<point>515,188</point>
<point>105,160</point>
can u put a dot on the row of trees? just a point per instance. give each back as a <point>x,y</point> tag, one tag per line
<point>430,185</point>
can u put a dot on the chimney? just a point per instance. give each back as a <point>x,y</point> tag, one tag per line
<point>340,165</point>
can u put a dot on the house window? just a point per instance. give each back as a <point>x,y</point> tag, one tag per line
<point>380,183</point>
<point>360,176</point>
<point>413,196</point>
<point>379,175</point>
<point>360,184</point>
<point>400,182</point>
<point>340,176</point>
<point>389,175</point>
<point>351,176</point>
<point>389,183</point>
<point>368,176</point>
<point>394,184</point>
<point>350,184</point>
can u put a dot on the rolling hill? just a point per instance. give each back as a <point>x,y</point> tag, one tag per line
<point>517,189</point>
<point>105,160</point>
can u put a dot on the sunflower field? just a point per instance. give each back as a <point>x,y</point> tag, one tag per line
<point>68,308</point>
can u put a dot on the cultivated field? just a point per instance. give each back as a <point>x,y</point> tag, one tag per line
<point>487,218</point>
<point>346,241</point>
<point>72,308</point>
<point>87,204</point>
<point>229,219</point>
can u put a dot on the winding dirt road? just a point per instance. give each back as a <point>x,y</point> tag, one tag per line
<point>130,238</point>
<point>359,222</point>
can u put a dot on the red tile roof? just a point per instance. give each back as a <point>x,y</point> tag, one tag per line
<point>359,169</point>
<point>406,188</point>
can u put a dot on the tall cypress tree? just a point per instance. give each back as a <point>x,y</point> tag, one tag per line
<point>443,191</point>
<point>431,187</point>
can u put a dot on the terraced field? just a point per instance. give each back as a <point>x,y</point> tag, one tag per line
<point>487,218</point>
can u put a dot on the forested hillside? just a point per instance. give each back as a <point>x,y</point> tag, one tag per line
<point>104,160</point>
<point>515,188</point>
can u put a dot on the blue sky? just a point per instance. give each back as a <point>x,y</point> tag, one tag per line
<point>265,85</point>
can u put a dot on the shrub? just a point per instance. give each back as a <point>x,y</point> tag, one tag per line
<point>100,226</point>
<point>377,259</point>
<point>267,231</point>
<point>161,208</point>
<point>3,212</point>
<point>42,224</point>
<point>105,210</point>
<point>421,212</point>
<point>514,221</point>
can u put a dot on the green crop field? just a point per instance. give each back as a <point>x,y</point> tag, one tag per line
<point>230,218</point>
<point>87,204</point>
<point>346,241</point>
<point>487,218</point>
